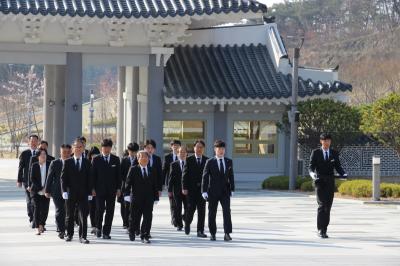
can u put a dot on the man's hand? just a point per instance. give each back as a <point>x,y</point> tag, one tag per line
<point>65,195</point>
<point>313,175</point>
<point>185,192</point>
<point>47,195</point>
<point>205,195</point>
<point>29,189</point>
<point>170,194</point>
<point>155,202</point>
<point>19,184</point>
<point>118,193</point>
<point>93,193</point>
<point>90,197</point>
<point>127,198</point>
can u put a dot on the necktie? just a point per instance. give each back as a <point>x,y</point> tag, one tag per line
<point>326,156</point>
<point>199,161</point>
<point>144,173</point>
<point>132,160</point>
<point>77,165</point>
<point>106,159</point>
<point>182,165</point>
<point>221,167</point>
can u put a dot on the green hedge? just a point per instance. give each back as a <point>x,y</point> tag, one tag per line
<point>282,182</point>
<point>363,189</point>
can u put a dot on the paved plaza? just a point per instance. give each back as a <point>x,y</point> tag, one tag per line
<point>270,228</point>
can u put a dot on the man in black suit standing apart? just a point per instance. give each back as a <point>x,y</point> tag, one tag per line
<point>175,186</point>
<point>126,164</point>
<point>168,159</point>
<point>53,188</point>
<point>76,188</point>
<point>323,161</point>
<point>23,173</point>
<point>141,190</point>
<point>218,186</point>
<point>106,176</point>
<point>191,186</point>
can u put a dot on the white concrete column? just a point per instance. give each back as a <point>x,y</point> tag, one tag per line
<point>120,111</point>
<point>73,97</point>
<point>130,105</point>
<point>59,103</point>
<point>48,104</point>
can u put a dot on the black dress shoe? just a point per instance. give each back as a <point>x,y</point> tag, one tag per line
<point>146,240</point>
<point>227,237</point>
<point>149,236</point>
<point>322,234</point>
<point>179,228</point>
<point>137,232</point>
<point>61,235</point>
<point>98,233</point>
<point>68,239</point>
<point>106,237</point>
<point>187,229</point>
<point>94,231</point>
<point>201,234</point>
<point>131,237</point>
<point>212,238</point>
<point>84,241</point>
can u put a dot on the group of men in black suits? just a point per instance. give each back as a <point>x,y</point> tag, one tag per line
<point>79,180</point>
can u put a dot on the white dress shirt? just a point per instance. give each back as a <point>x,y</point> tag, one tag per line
<point>80,161</point>
<point>223,163</point>
<point>42,176</point>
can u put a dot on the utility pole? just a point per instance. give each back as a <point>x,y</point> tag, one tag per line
<point>294,116</point>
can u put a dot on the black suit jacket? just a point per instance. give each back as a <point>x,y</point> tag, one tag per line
<point>215,183</point>
<point>168,159</point>
<point>78,184</point>
<point>193,174</point>
<point>36,177</point>
<point>53,183</point>
<point>323,167</point>
<point>139,187</point>
<point>106,176</point>
<point>24,166</point>
<point>157,169</point>
<point>175,178</point>
<point>35,159</point>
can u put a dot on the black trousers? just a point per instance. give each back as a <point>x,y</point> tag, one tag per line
<point>125,210</point>
<point>195,202</point>
<point>105,203</point>
<point>82,206</point>
<point>92,212</point>
<point>179,200</point>
<point>29,205</point>
<point>141,208</point>
<point>324,189</point>
<point>172,210</point>
<point>59,203</point>
<point>225,201</point>
<point>41,209</point>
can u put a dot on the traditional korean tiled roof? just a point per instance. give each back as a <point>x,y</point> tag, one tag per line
<point>129,8</point>
<point>234,72</point>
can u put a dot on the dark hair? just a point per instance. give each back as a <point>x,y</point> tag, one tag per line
<point>175,142</point>
<point>150,142</point>
<point>77,140</point>
<point>199,141</point>
<point>65,146</point>
<point>44,142</point>
<point>40,151</point>
<point>325,136</point>
<point>133,147</point>
<point>125,154</point>
<point>83,138</point>
<point>219,144</point>
<point>106,143</point>
<point>93,152</point>
<point>33,136</point>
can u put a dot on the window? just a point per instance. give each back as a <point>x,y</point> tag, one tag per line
<point>254,138</point>
<point>187,131</point>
